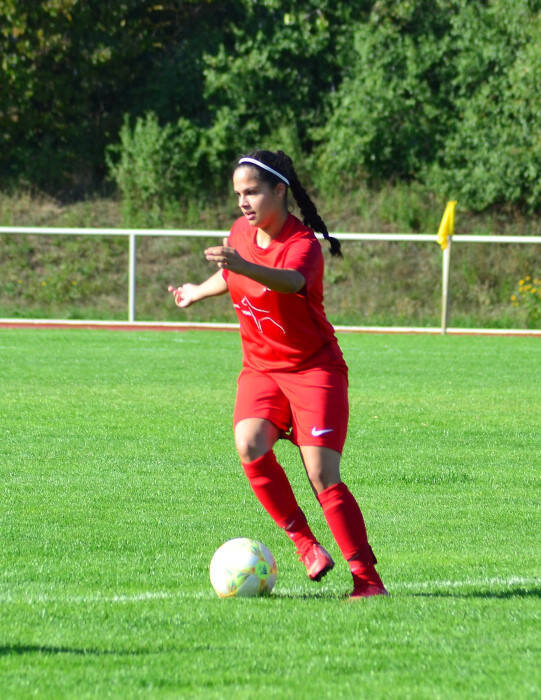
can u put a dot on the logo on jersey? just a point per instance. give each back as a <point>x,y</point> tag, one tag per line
<point>248,309</point>
<point>322,431</point>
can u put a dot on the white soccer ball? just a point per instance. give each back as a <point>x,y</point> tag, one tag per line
<point>242,567</point>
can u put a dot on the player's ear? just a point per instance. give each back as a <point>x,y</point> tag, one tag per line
<point>280,190</point>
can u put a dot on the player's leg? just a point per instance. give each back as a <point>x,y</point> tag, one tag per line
<point>343,516</point>
<point>322,466</point>
<point>254,438</point>
<point>320,412</point>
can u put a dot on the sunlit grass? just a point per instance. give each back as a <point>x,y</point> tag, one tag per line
<point>120,480</point>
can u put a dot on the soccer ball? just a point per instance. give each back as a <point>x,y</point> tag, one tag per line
<point>242,567</point>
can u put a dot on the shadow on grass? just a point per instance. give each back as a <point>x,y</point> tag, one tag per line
<point>21,649</point>
<point>513,593</point>
<point>518,592</point>
<point>303,595</point>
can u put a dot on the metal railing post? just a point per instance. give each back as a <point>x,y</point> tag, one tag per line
<point>446,260</point>
<point>131,279</point>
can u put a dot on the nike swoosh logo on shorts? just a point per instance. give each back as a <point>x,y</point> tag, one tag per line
<point>317,433</point>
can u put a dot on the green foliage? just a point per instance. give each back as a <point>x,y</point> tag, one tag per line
<point>71,69</point>
<point>528,297</point>
<point>386,118</point>
<point>162,169</point>
<point>492,152</point>
<point>295,57</point>
<point>151,165</point>
<point>446,93</point>
<point>442,92</point>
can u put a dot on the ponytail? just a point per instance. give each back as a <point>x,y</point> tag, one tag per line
<point>310,215</point>
<point>278,167</point>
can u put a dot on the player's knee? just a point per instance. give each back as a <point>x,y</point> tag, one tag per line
<point>249,446</point>
<point>254,438</point>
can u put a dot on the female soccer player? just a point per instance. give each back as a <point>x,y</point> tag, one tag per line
<point>293,381</point>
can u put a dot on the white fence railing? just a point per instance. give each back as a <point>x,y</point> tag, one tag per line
<point>133,234</point>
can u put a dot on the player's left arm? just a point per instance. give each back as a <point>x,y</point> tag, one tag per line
<point>287,281</point>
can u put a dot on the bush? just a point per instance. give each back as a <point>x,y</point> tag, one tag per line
<point>445,92</point>
<point>528,297</point>
<point>492,154</point>
<point>153,166</point>
<point>390,114</point>
<point>161,169</point>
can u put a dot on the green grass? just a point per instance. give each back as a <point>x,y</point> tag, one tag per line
<point>119,480</point>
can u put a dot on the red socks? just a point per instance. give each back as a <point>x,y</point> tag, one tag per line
<point>342,513</point>
<point>273,490</point>
<point>346,523</point>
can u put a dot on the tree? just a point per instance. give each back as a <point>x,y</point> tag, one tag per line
<point>70,69</point>
<point>446,93</point>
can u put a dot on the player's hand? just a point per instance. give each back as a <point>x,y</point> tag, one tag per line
<point>225,257</point>
<point>184,295</point>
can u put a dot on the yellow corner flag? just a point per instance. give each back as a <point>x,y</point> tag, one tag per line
<point>447,225</point>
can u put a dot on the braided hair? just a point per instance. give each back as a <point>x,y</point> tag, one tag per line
<point>282,163</point>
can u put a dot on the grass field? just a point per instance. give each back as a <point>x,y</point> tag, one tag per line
<point>119,481</point>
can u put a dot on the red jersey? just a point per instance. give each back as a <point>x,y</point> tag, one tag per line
<point>282,331</point>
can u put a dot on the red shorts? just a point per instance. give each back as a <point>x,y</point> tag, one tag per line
<point>309,407</point>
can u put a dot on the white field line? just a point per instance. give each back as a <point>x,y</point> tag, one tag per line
<point>483,584</point>
<point>101,598</point>
<point>469,583</point>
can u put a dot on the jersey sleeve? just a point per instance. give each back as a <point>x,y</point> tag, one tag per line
<point>305,256</point>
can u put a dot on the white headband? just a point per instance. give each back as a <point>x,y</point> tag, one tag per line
<point>265,167</point>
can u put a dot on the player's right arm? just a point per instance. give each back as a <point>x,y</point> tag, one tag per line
<point>187,294</point>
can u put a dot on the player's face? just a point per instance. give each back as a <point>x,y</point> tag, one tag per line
<point>260,203</point>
